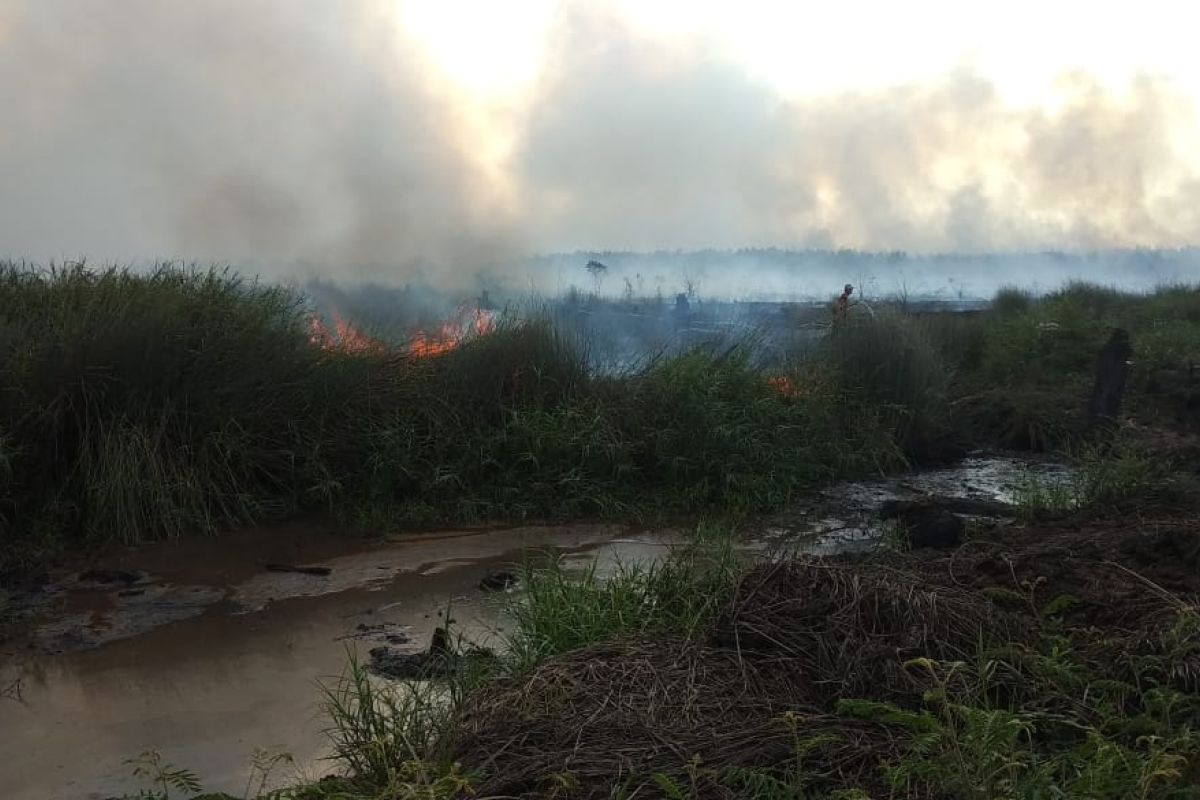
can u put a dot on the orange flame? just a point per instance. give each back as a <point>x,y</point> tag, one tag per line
<point>445,339</point>
<point>784,386</point>
<point>344,337</point>
<point>450,334</point>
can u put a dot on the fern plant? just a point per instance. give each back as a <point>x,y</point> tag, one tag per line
<point>164,778</point>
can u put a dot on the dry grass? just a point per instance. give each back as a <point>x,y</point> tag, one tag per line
<point>797,637</point>
<point>830,672</point>
<point>847,627</point>
<point>620,714</point>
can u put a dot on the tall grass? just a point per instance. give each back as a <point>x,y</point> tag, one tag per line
<point>1058,336</point>
<point>396,737</point>
<point>893,365</point>
<point>139,406</point>
<point>1011,300</point>
<point>697,430</point>
<point>135,406</point>
<point>1022,372</point>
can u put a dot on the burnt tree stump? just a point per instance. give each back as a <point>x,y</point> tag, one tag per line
<point>1112,371</point>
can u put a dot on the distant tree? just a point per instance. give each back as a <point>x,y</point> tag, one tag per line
<point>597,270</point>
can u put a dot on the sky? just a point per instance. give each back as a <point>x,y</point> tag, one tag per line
<point>388,138</point>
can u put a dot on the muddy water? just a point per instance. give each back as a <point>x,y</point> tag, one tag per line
<point>210,657</point>
<point>204,656</point>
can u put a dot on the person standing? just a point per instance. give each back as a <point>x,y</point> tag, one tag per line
<point>841,306</point>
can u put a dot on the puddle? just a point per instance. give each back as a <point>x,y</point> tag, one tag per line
<point>206,657</point>
<point>228,659</point>
<point>844,517</point>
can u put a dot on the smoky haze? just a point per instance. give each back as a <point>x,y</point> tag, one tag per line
<point>309,138</point>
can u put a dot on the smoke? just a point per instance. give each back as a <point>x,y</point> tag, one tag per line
<point>275,130</point>
<point>309,137</point>
<point>686,152</point>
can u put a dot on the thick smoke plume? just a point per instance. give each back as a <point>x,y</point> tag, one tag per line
<point>309,136</point>
<point>272,130</point>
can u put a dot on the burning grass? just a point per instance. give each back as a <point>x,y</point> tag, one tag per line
<point>138,406</point>
<point>452,333</point>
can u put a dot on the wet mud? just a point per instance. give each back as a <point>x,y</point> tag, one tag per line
<point>845,517</point>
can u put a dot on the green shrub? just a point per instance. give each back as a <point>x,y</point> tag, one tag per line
<point>561,610</point>
<point>714,430</point>
<point>1097,301</point>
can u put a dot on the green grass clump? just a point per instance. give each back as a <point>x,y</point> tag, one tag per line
<point>397,737</point>
<point>1102,475</point>
<point>891,363</point>
<point>1024,417</point>
<point>1011,301</point>
<point>1098,300</point>
<point>715,432</point>
<point>518,365</point>
<point>561,610</point>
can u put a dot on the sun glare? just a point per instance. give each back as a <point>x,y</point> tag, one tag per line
<point>489,48</point>
<point>495,49</point>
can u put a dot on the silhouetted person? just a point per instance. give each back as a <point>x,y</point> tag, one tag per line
<point>1112,370</point>
<point>681,311</point>
<point>440,644</point>
<point>841,306</point>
